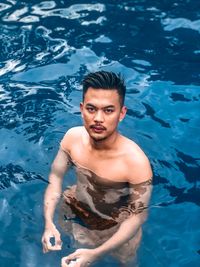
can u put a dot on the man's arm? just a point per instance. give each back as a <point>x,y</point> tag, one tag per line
<point>84,257</point>
<point>137,208</point>
<point>51,198</point>
<point>140,183</point>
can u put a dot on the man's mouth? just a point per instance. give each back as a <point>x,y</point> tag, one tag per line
<point>97,128</point>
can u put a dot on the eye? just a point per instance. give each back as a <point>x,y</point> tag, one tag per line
<point>90,109</point>
<point>108,110</point>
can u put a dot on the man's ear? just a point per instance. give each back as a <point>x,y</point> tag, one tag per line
<point>122,113</point>
<point>81,108</point>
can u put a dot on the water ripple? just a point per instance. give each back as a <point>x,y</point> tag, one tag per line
<point>177,23</point>
<point>56,46</point>
<point>4,7</point>
<point>11,65</point>
<point>46,49</point>
<point>73,12</point>
<point>14,174</point>
<point>32,107</point>
<point>44,9</point>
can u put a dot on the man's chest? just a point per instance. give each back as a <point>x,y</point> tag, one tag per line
<point>112,169</point>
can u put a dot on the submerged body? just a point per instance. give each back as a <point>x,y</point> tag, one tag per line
<point>93,209</point>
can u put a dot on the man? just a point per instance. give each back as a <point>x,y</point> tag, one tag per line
<point>107,207</point>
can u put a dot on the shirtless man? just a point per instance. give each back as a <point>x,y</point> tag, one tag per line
<point>113,179</point>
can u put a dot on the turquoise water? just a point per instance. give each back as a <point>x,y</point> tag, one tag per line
<point>46,48</point>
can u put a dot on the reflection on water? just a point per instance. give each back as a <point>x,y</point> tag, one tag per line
<point>46,48</point>
<point>11,175</point>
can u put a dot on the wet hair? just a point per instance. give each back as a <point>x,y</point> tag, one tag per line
<point>105,80</point>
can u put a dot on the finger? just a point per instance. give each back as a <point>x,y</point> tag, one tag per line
<point>58,241</point>
<point>74,264</point>
<point>48,246</point>
<point>71,256</point>
<point>51,247</point>
<point>44,247</point>
<point>64,262</point>
<point>68,260</point>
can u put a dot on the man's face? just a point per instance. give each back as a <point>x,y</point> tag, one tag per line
<point>101,112</point>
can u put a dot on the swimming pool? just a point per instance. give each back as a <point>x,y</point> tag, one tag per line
<point>45,50</point>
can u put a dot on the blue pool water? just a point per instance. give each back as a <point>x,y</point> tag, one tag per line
<point>46,48</point>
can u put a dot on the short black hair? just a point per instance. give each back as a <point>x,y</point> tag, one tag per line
<point>105,80</point>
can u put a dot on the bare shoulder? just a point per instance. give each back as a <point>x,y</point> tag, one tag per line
<point>71,136</point>
<point>138,165</point>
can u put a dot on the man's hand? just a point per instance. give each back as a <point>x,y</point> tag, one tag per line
<point>80,258</point>
<point>51,232</point>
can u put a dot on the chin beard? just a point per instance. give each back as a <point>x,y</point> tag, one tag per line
<point>96,139</point>
<point>100,138</point>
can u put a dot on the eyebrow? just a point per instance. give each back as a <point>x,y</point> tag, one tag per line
<point>91,105</point>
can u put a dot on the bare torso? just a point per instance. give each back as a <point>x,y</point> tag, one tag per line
<point>111,164</point>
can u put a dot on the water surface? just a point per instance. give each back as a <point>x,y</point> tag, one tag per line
<point>46,48</point>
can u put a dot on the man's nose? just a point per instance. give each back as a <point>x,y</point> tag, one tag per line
<point>99,117</point>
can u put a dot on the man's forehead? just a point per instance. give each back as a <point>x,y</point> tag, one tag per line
<point>102,98</point>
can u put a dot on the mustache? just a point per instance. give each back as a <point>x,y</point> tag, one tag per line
<point>98,126</point>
